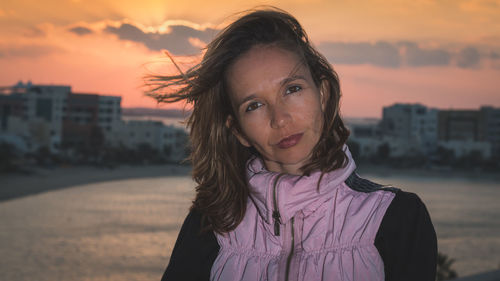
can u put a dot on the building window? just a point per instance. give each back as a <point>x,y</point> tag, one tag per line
<point>44,109</point>
<point>421,111</point>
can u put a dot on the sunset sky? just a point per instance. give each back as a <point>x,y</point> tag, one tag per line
<point>443,54</point>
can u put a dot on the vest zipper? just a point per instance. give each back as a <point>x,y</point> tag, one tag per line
<point>290,255</point>
<point>277,222</point>
<point>276,213</point>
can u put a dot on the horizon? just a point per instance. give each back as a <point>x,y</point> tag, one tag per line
<point>180,109</point>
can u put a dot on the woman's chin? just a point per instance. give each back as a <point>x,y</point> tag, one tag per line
<point>290,165</point>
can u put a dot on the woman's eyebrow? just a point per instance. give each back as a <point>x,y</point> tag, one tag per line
<point>245,99</point>
<point>292,78</point>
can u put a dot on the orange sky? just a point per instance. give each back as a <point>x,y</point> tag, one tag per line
<point>443,54</point>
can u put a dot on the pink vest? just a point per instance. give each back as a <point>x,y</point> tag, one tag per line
<point>293,231</point>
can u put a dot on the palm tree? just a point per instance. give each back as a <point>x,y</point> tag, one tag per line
<point>444,270</point>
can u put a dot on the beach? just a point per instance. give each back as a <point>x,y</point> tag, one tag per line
<point>38,179</point>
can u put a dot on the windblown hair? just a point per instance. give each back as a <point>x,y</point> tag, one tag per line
<point>218,159</point>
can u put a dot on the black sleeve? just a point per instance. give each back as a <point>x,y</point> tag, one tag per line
<point>194,252</point>
<point>406,240</point>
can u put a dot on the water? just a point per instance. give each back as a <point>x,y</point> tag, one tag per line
<point>167,121</point>
<point>465,214</point>
<point>118,230</point>
<point>125,230</point>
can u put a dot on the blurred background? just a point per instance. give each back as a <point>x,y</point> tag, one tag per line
<point>91,181</point>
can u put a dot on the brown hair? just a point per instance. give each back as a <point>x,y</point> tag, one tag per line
<point>218,159</point>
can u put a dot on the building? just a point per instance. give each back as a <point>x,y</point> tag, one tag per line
<point>52,116</point>
<point>11,106</point>
<point>42,116</point>
<point>91,120</point>
<point>80,122</point>
<point>461,125</point>
<point>366,134</point>
<point>466,131</point>
<point>491,117</point>
<point>410,128</point>
<point>109,116</point>
<point>463,148</point>
<point>12,116</point>
<point>168,140</point>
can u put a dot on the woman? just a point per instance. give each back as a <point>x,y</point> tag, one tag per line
<point>278,197</point>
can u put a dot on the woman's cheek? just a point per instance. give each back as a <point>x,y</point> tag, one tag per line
<point>253,122</point>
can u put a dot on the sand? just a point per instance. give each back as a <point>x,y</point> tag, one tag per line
<point>38,180</point>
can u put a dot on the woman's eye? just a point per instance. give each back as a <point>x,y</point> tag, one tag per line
<point>253,106</point>
<point>293,89</point>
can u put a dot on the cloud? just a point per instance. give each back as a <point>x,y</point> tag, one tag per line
<point>187,38</point>
<point>380,54</point>
<point>29,51</point>
<point>416,56</point>
<point>177,39</point>
<point>34,31</point>
<point>80,30</point>
<point>468,57</point>
<point>403,54</point>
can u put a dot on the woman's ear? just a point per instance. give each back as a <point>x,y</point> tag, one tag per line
<point>241,138</point>
<point>324,90</point>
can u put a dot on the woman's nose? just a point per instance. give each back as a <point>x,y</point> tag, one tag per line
<point>280,116</point>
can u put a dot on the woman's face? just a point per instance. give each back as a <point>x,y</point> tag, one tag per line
<point>278,106</point>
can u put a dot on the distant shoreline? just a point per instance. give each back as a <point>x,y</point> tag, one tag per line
<point>384,171</point>
<point>38,180</point>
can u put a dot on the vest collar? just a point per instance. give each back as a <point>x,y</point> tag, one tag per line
<point>293,193</point>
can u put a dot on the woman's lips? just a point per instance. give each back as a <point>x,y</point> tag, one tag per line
<point>290,141</point>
